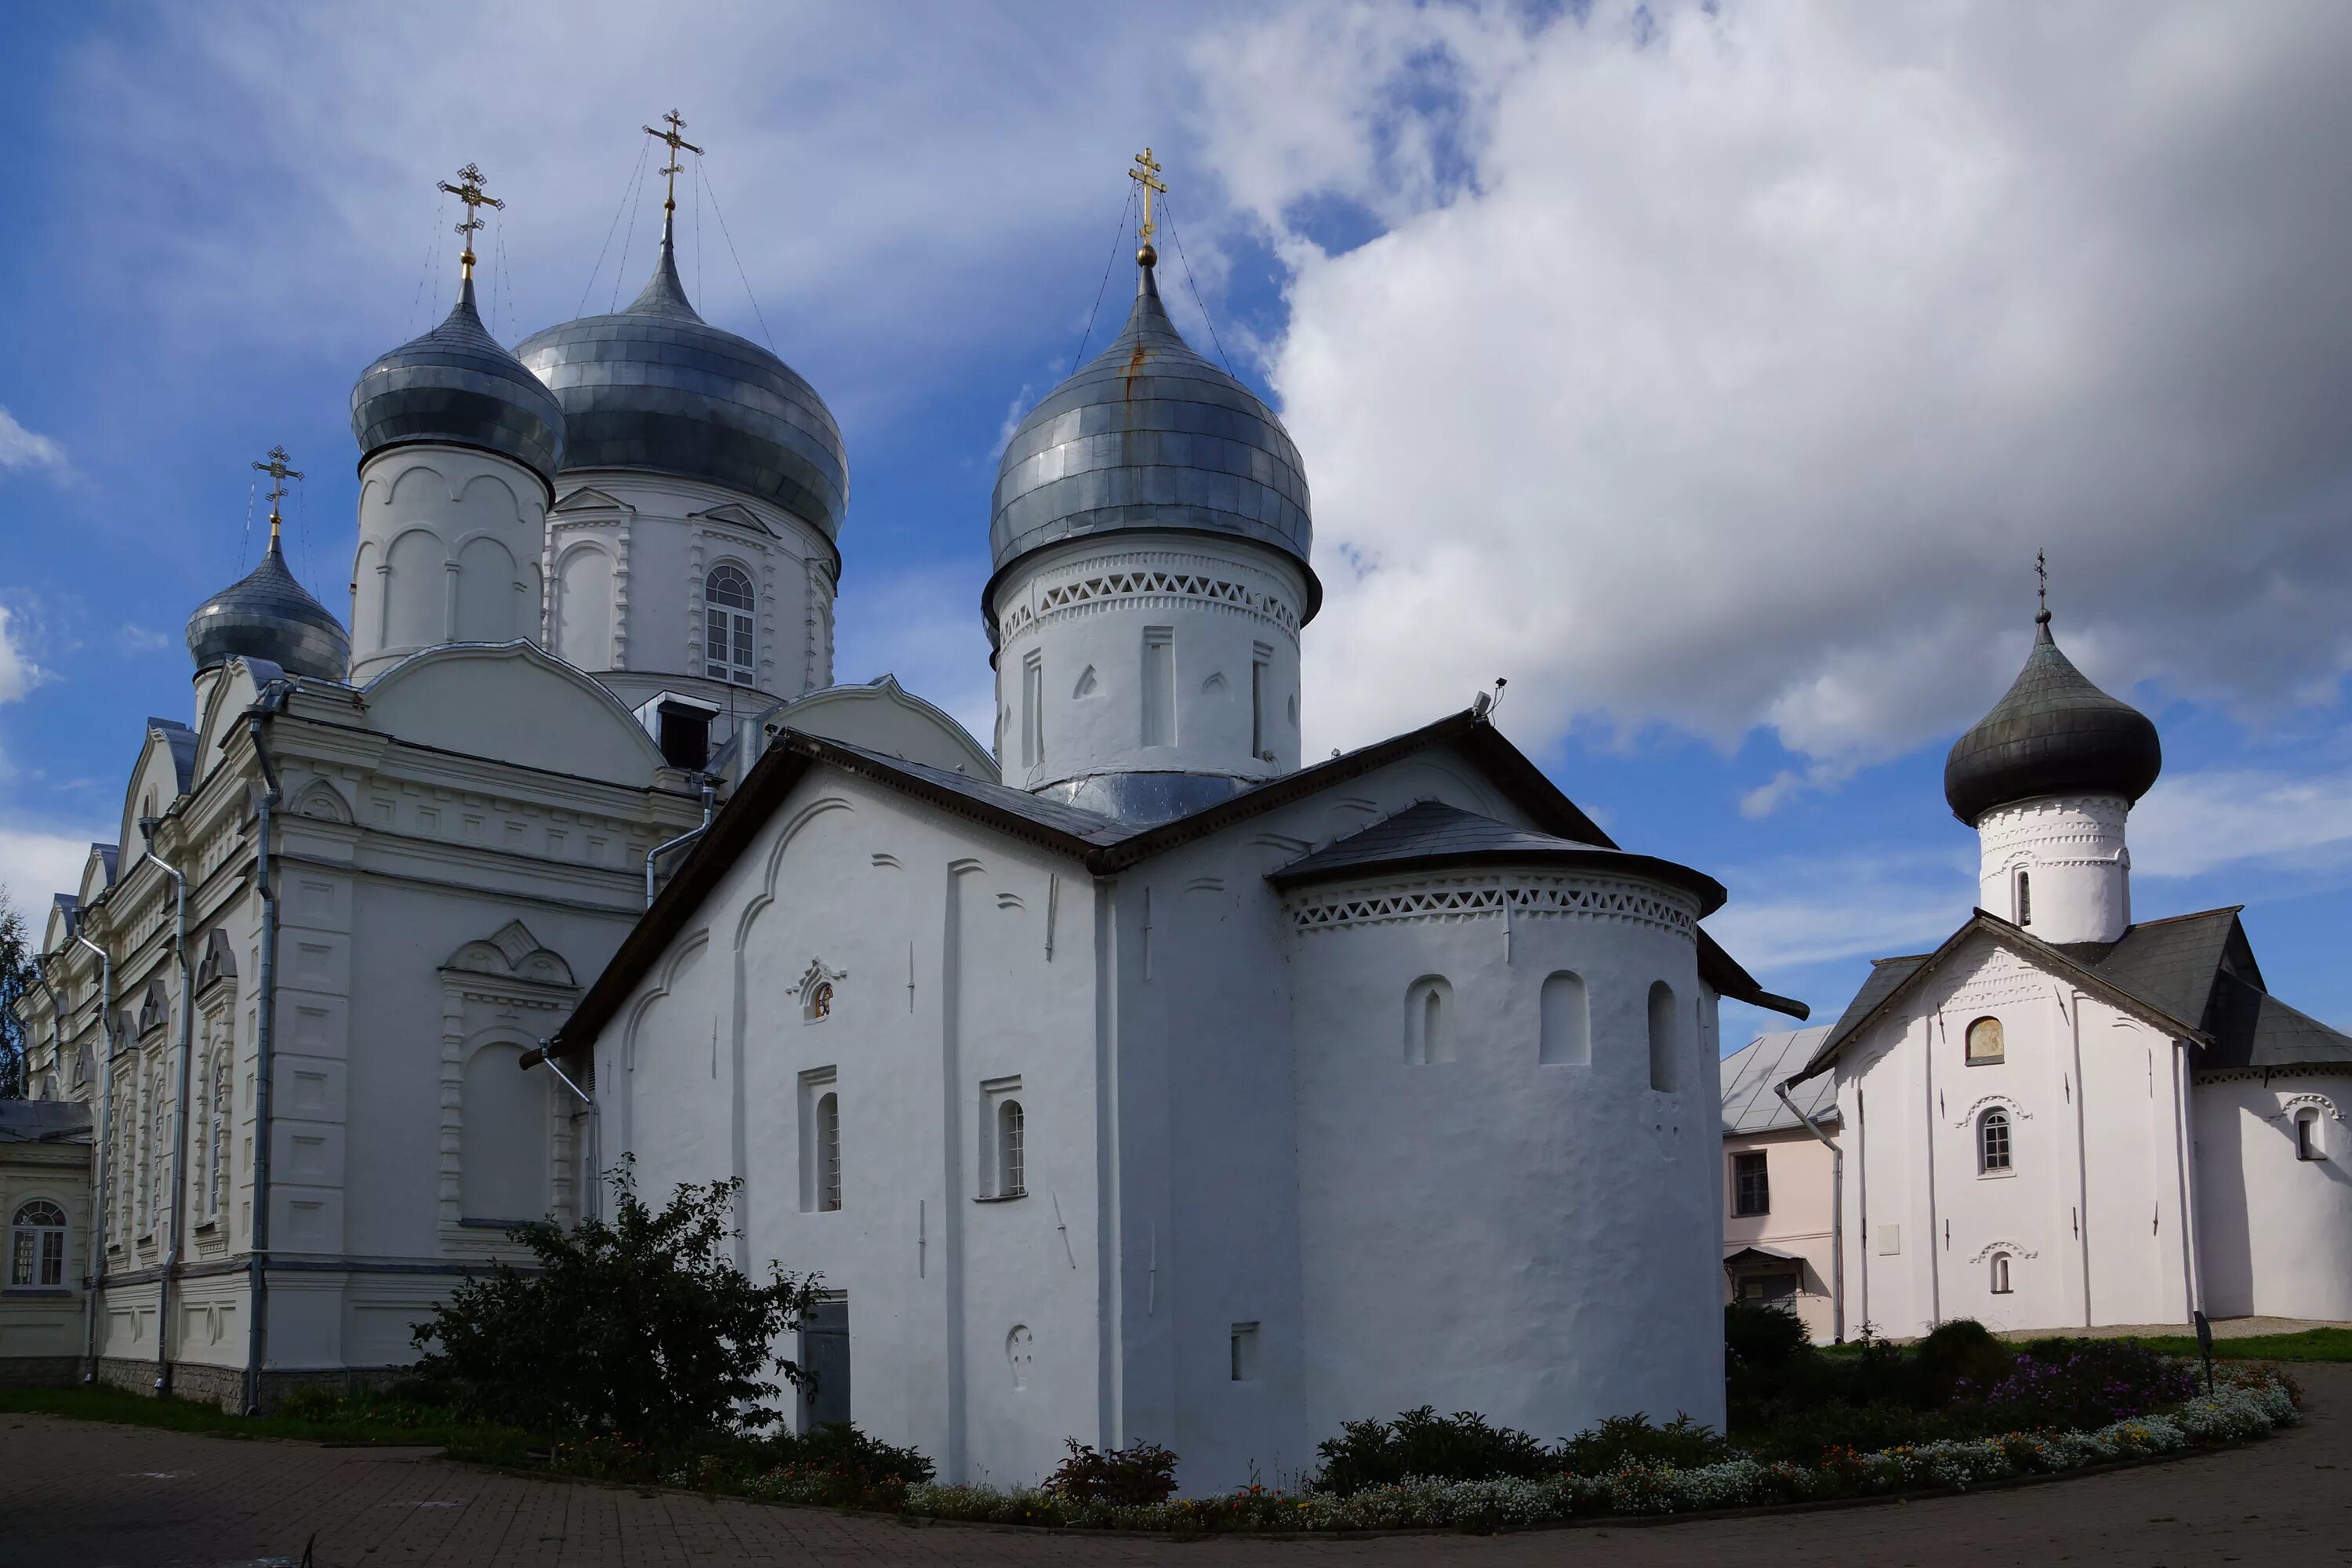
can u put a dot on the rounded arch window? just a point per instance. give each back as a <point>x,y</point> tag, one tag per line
<point>1985,1043</point>
<point>1428,1021</point>
<point>1666,1052</point>
<point>1992,1142</point>
<point>1011,1149</point>
<point>37,1246</point>
<point>2000,1273</point>
<point>820,1001</point>
<point>729,646</point>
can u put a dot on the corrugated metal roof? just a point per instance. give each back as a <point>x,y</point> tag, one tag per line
<point>1751,1073</point>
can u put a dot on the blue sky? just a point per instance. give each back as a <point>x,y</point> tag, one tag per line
<point>1712,373</point>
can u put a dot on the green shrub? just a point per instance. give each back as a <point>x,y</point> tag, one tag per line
<point>1463,1446</point>
<point>1632,1439</point>
<point>1141,1474</point>
<point>1762,1334</point>
<point>1959,1354</point>
<point>641,1329</point>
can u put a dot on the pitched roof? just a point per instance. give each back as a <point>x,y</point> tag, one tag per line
<point>1103,845</point>
<point>2193,974</point>
<point>43,1122</point>
<point>1752,1072</point>
<point>1430,834</point>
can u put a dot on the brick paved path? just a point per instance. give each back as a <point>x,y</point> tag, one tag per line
<point>85,1495</point>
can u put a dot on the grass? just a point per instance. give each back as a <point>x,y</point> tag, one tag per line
<point>495,1444</point>
<point>2311,1344</point>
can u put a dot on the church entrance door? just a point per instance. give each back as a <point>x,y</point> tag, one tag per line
<point>824,1355</point>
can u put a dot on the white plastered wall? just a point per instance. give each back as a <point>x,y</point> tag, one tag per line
<point>2070,849</point>
<point>450,541</point>
<point>2275,1230</point>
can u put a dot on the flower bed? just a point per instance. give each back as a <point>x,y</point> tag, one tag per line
<point>2250,1401</point>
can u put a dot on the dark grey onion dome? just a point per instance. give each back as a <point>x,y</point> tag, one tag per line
<point>2054,733</point>
<point>268,615</point>
<point>658,388</point>
<point>456,386</point>
<point>1150,437</point>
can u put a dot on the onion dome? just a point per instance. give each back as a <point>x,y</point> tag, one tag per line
<point>455,386</point>
<point>658,389</point>
<point>1150,437</point>
<point>268,615</point>
<point>2054,733</point>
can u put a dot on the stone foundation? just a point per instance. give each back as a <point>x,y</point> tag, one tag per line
<point>223,1386</point>
<point>39,1371</point>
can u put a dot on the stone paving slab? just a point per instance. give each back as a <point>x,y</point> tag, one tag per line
<point>89,1494</point>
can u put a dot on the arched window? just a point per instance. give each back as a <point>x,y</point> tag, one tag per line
<point>828,1152</point>
<point>820,1001</point>
<point>2000,1273</point>
<point>1992,1142</point>
<point>1664,1047</point>
<point>1011,1154</point>
<point>37,1246</point>
<point>1428,1021</point>
<point>2306,1135</point>
<point>1564,1022</point>
<point>1985,1042</point>
<point>2024,899</point>
<point>729,647</point>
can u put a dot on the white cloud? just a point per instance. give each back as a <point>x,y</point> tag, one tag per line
<point>34,865</point>
<point>21,449</point>
<point>1791,913</point>
<point>1725,367</point>
<point>18,673</point>
<point>924,627</point>
<point>2195,822</point>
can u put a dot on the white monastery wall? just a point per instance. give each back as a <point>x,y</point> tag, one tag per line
<point>628,557</point>
<point>1146,652</point>
<point>2070,850</point>
<point>2295,1260</point>
<point>2089,1214</point>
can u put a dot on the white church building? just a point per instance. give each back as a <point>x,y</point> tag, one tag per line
<point>1133,1079</point>
<point>2061,1117</point>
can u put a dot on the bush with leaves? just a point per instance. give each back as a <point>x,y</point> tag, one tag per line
<point>1463,1446</point>
<point>1624,1440</point>
<point>1762,1334</point>
<point>640,1329</point>
<point>1123,1477</point>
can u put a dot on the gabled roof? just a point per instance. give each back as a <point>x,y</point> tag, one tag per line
<point>1104,846</point>
<point>1431,834</point>
<point>44,1121</point>
<point>1752,1072</point>
<point>182,742</point>
<point>2192,974</point>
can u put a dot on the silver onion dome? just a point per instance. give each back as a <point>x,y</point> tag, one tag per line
<point>656,387</point>
<point>2052,733</point>
<point>458,386</point>
<point>266,614</point>
<point>1148,435</point>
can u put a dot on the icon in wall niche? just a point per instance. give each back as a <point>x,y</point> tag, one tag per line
<point>815,990</point>
<point>1021,1351</point>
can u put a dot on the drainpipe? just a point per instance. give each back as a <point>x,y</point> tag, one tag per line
<point>99,1208</point>
<point>591,1209</point>
<point>180,1114</point>
<point>1837,1213</point>
<point>264,1021</point>
<point>709,794</point>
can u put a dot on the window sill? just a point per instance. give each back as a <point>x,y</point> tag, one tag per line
<point>1995,1176</point>
<point>1986,1061</point>
<point>40,1292</point>
<point>1003,1197</point>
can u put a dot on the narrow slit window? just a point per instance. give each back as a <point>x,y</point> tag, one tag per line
<point>1428,1021</point>
<point>2306,1135</point>
<point>1032,705</point>
<point>828,1152</point>
<point>1664,1049</point>
<point>1012,1154</point>
<point>1243,1347</point>
<point>2000,1273</point>
<point>2024,899</point>
<point>1158,686</point>
<point>1260,662</point>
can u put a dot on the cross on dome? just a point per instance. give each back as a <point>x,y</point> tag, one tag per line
<point>275,467</point>
<point>677,143</point>
<point>468,190</point>
<point>1146,176</point>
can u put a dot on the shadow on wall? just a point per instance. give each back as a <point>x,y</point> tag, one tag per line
<point>2226,1241</point>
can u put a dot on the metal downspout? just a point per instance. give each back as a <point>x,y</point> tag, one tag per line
<point>265,1020</point>
<point>105,1151</point>
<point>709,796</point>
<point>147,826</point>
<point>591,1209</point>
<point>1837,1213</point>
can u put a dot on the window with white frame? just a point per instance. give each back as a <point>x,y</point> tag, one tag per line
<point>820,1123</point>
<point>1992,1142</point>
<point>730,642</point>
<point>1003,1140</point>
<point>36,1247</point>
<point>2306,1135</point>
<point>2000,1273</point>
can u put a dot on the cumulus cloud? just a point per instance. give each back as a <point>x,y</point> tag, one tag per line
<point>2205,821</point>
<point>1790,914</point>
<point>1723,367</point>
<point>22,449</point>
<point>18,673</point>
<point>34,865</point>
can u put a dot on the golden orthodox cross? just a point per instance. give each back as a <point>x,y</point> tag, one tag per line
<point>1145,174</point>
<point>279,474</point>
<point>675,142</point>
<point>468,190</point>
<point>2042,592</point>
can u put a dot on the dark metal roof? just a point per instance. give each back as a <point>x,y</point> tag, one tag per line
<point>2252,1028</point>
<point>1103,846</point>
<point>2053,733</point>
<point>182,742</point>
<point>1148,435</point>
<point>657,388</point>
<point>268,615</point>
<point>1430,834</point>
<point>2173,962</point>
<point>1751,1073</point>
<point>44,1121</point>
<point>457,386</point>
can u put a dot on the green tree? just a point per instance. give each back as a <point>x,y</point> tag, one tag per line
<point>17,973</point>
<point>642,1327</point>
